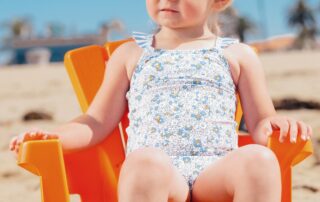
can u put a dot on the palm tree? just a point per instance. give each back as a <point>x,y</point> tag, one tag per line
<point>243,27</point>
<point>235,24</point>
<point>110,26</point>
<point>302,17</point>
<point>15,29</point>
<point>54,29</point>
<point>18,28</point>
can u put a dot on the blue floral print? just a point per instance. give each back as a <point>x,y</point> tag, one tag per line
<point>183,102</point>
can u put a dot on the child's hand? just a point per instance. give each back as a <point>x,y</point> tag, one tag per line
<point>287,126</point>
<point>34,134</point>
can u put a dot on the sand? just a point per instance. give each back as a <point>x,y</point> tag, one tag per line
<point>47,88</point>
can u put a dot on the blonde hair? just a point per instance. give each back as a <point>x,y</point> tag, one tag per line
<point>213,20</point>
<point>213,24</point>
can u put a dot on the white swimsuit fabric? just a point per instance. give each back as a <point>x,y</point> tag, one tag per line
<point>183,102</point>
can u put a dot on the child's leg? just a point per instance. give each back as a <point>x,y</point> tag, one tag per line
<point>250,173</point>
<point>148,174</point>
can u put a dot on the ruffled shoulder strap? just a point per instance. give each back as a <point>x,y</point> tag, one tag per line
<point>143,40</point>
<point>224,42</point>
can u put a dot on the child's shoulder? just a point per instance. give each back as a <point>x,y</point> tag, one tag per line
<point>127,52</point>
<point>233,44</point>
<point>140,40</point>
<point>128,47</point>
<point>242,51</point>
<point>235,47</point>
<point>240,57</point>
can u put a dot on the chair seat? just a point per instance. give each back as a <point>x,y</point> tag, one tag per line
<point>93,173</point>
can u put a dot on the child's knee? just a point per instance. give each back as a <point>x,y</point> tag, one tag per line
<point>149,161</point>
<point>260,162</point>
<point>257,154</point>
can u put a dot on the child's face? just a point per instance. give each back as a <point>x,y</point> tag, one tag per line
<point>180,13</point>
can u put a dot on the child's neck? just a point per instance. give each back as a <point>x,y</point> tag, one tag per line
<point>185,38</point>
<point>181,35</point>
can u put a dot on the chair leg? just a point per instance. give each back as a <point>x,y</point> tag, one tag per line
<point>286,195</point>
<point>45,159</point>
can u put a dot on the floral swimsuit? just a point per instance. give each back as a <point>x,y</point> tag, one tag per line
<point>183,102</point>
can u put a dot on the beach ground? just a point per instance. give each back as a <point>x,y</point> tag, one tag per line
<point>46,88</point>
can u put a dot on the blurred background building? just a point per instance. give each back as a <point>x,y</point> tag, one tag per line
<point>268,25</point>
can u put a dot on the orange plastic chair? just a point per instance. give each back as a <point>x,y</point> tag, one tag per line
<point>93,173</point>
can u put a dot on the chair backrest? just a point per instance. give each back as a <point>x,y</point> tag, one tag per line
<point>93,173</point>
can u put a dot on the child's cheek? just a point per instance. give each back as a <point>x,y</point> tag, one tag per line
<point>151,8</point>
<point>189,9</point>
<point>192,10</point>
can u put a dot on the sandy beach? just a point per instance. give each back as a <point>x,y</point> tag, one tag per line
<point>46,88</point>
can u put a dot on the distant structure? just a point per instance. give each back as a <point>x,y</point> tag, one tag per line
<point>51,48</point>
<point>284,42</point>
<point>30,49</point>
<point>276,43</point>
<point>233,25</point>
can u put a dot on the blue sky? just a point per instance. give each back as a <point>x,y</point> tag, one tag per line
<point>85,16</point>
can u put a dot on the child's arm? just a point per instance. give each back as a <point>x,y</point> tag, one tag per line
<point>259,112</point>
<point>103,114</point>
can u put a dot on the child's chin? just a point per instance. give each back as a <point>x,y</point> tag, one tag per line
<point>170,24</point>
<point>169,21</point>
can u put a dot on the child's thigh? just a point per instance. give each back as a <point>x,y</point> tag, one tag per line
<point>179,191</point>
<point>141,159</point>
<point>217,182</point>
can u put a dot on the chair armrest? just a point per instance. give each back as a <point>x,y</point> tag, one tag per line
<point>289,154</point>
<point>45,158</point>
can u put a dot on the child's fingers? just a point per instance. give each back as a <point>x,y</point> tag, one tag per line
<point>30,135</point>
<point>283,125</point>
<point>47,136</point>
<point>22,137</point>
<point>293,130</point>
<point>309,133</point>
<point>13,142</point>
<point>267,128</point>
<point>303,128</point>
<point>40,135</point>
<point>37,135</point>
<point>16,148</point>
<point>52,136</point>
<point>291,127</point>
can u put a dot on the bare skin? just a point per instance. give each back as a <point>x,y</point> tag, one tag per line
<point>257,177</point>
<point>250,173</point>
<point>220,190</point>
<point>219,181</point>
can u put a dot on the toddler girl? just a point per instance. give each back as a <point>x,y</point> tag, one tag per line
<point>180,85</point>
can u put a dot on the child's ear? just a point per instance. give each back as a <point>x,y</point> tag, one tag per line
<point>220,5</point>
